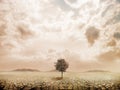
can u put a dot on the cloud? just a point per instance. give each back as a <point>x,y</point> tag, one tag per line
<point>110,13</point>
<point>116,35</point>
<point>112,43</point>
<point>63,5</point>
<point>72,1</point>
<point>118,1</point>
<point>106,10</point>
<point>110,56</point>
<point>2,30</point>
<point>92,34</point>
<point>116,18</point>
<point>24,31</point>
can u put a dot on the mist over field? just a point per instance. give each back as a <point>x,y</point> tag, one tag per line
<point>35,33</point>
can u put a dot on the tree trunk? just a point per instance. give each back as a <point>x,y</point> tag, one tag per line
<point>61,74</point>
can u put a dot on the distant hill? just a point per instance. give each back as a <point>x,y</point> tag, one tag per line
<point>23,69</point>
<point>97,71</point>
<point>53,70</point>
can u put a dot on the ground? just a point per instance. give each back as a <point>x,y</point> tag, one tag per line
<point>51,81</point>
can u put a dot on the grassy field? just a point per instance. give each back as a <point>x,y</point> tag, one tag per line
<point>51,81</point>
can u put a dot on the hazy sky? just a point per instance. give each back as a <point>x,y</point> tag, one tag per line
<point>35,33</point>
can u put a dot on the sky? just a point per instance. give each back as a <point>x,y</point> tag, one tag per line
<point>35,33</point>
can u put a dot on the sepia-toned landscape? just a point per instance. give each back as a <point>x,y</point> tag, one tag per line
<point>59,44</point>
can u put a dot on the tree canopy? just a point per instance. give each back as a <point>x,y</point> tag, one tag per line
<point>61,65</point>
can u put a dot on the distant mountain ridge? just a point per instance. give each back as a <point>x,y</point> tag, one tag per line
<point>97,71</point>
<point>24,69</point>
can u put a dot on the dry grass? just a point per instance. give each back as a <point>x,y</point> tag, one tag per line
<point>71,80</point>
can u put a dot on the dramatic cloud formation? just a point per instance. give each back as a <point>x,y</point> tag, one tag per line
<point>92,34</point>
<point>35,33</point>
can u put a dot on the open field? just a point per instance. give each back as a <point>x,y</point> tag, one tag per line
<point>50,81</point>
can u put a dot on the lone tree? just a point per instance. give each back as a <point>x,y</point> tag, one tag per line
<point>61,65</point>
